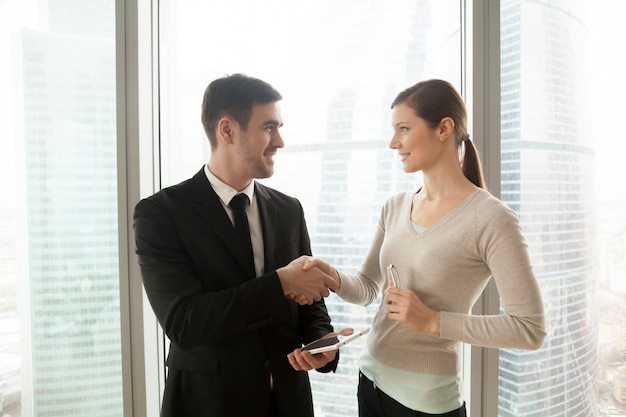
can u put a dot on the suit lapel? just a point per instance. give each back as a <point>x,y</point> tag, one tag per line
<point>209,208</point>
<point>267,213</point>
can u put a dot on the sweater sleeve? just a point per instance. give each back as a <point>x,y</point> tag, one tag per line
<point>364,287</point>
<point>500,243</point>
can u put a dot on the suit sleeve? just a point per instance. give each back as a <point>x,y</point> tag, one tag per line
<point>190,314</point>
<point>315,320</point>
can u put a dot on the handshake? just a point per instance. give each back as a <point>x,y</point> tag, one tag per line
<point>307,279</point>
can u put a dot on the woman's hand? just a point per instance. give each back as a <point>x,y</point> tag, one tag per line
<point>323,265</point>
<point>406,307</point>
<point>306,279</point>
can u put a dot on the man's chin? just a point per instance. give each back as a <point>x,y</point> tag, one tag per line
<point>266,172</point>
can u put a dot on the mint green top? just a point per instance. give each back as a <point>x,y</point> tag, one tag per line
<point>448,266</point>
<point>428,393</point>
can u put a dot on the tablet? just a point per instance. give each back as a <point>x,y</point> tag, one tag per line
<point>333,341</point>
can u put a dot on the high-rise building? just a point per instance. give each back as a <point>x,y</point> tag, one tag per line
<point>72,332</point>
<point>547,155</point>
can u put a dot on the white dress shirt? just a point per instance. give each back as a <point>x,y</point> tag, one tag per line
<point>225,192</point>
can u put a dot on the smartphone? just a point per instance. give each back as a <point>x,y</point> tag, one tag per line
<point>333,342</point>
<point>392,276</point>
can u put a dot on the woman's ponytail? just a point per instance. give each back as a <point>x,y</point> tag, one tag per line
<point>471,165</point>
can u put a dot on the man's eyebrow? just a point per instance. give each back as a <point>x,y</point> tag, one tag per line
<point>272,123</point>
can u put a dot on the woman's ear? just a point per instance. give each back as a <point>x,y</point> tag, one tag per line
<point>446,128</point>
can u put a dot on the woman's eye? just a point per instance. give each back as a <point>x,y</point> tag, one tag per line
<point>404,129</point>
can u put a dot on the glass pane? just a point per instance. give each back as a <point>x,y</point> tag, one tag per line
<point>562,171</point>
<point>60,348</point>
<point>338,65</point>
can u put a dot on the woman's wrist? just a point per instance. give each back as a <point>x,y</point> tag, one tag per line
<point>436,324</point>
<point>338,279</point>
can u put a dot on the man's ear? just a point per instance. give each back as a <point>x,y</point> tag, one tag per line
<point>446,128</point>
<point>225,129</point>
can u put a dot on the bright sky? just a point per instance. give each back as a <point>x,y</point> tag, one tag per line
<point>608,110</point>
<point>8,25</point>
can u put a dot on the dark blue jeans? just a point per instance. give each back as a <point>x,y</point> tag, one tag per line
<point>375,403</point>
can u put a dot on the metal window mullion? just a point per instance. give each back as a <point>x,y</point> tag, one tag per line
<point>482,94</point>
<point>142,356</point>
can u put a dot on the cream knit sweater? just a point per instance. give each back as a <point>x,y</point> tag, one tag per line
<point>448,266</point>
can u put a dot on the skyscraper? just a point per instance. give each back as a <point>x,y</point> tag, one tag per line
<point>547,153</point>
<point>74,345</point>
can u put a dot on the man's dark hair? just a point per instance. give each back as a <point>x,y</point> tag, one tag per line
<point>234,95</point>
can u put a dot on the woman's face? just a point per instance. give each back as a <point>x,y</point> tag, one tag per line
<point>416,142</point>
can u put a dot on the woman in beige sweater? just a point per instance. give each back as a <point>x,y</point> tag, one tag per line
<point>446,241</point>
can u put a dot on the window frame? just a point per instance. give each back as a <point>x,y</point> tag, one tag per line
<point>482,94</point>
<point>143,350</point>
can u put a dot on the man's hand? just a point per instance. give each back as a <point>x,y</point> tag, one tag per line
<point>305,285</point>
<point>302,360</point>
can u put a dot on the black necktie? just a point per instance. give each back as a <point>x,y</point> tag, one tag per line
<point>239,203</point>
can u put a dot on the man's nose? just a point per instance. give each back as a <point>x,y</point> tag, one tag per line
<point>277,140</point>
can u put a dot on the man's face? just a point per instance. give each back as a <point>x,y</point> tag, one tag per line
<point>256,147</point>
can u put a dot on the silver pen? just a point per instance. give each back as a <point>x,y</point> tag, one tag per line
<point>392,276</point>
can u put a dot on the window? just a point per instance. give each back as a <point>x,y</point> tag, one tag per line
<point>60,343</point>
<point>338,66</point>
<point>548,160</point>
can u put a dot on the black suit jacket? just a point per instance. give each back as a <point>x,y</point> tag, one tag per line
<point>228,330</point>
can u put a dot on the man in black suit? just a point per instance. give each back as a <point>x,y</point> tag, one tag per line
<point>230,314</point>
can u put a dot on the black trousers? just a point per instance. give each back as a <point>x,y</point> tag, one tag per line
<point>375,403</point>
